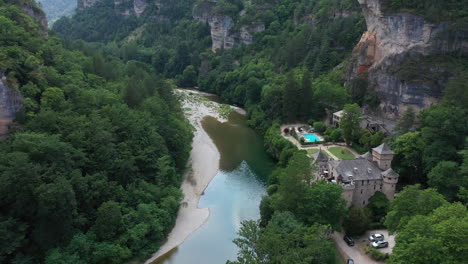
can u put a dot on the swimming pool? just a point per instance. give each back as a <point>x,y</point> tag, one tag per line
<point>311,137</point>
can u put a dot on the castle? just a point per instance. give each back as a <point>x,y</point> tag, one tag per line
<point>361,177</point>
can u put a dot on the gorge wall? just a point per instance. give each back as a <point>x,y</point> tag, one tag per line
<point>396,44</point>
<point>225,33</point>
<point>125,7</point>
<point>10,102</point>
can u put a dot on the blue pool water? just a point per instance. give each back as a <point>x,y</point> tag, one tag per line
<point>311,137</point>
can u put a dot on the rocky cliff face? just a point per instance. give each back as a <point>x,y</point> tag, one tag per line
<point>393,41</point>
<point>83,4</point>
<point>10,102</point>
<point>125,7</point>
<point>223,28</point>
<point>36,14</point>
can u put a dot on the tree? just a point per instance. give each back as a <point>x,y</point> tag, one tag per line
<point>53,98</point>
<point>319,127</point>
<point>357,221</point>
<point>189,77</point>
<point>406,122</point>
<point>284,240</point>
<point>438,237</point>
<point>108,222</point>
<point>445,178</point>
<point>291,99</point>
<point>410,202</point>
<point>378,206</point>
<point>250,250</point>
<point>294,182</point>
<point>306,95</point>
<point>323,204</point>
<point>408,160</point>
<point>350,123</point>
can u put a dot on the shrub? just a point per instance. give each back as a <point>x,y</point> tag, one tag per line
<point>319,127</point>
<point>357,221</point>
<point>376,254</point>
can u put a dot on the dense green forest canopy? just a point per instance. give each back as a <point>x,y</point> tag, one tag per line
<point>91,173</point>
<point>101,130</point>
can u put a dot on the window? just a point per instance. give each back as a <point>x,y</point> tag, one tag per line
<point>380,186</point>
<point>363,202</point>
<point>374,187</point>
<point>361,191</point>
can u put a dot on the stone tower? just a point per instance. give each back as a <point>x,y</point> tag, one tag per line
<point>383,155</point>
<point>390,179</point>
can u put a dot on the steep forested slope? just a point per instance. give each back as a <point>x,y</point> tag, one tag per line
<point>91,170</point>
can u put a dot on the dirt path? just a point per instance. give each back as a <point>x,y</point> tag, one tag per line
<point>348,252</point>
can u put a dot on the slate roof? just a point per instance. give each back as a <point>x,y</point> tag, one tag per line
<point>390,173</point>
<point>383,149</point>
<point>366,156</point>
<point>359,169</point>
<point>321,156</point>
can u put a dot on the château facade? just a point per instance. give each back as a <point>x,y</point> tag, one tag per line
<point>361,177</point>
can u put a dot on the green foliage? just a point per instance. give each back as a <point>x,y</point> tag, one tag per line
<point>93,174</point>
<point>357,221</point>
<point>410,202</point>
<point>278,242</point>
<point>446,179</point>
<point>406,122</point>
<point>443,130</point>
<point>449,10</point>
<point>436,237</point>
<point>376,254</point>
<point>378,206</point>
<point>319,127</point>
<point>350,122</point>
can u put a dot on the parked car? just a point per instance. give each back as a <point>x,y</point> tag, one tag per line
<point>349,240</point>
<point>350,261</point>
<point>380,244</point>
<point>376,237</point>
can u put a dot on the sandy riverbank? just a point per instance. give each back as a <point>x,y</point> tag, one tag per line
<point>203,166</point>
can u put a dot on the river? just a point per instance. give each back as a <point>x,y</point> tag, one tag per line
<point>232,196</point>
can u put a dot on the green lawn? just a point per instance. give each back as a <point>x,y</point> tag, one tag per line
<point>312,150</point>
<point>341,153</point>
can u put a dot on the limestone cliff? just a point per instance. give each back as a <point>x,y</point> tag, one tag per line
<point>10,102</point>
<point>82,4</point>
<point>125,7</point>
<point>31,9</point>
<point>392,43</point>
<point>225,33</point>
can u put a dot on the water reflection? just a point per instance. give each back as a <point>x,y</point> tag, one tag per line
<point>233,196</point>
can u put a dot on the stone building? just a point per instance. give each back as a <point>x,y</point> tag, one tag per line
<point>361,177</point>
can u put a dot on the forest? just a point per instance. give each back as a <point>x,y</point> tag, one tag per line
<point>79,88</point>
<point>90,173</point>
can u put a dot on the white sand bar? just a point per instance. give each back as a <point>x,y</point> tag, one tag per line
<point>203,167</point>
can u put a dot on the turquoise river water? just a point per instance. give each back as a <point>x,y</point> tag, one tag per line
<point>233,195</point>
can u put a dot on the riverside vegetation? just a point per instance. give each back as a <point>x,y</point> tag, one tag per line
<point>91,173</point>
<point>292,72</point>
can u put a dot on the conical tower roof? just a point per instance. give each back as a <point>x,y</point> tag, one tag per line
<point>321,156</point>
<point>383,149</point>
<point>390,173</point>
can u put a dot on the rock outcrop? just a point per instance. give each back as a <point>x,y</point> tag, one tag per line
<point>32,10</point>
<point>394,40</point>
<point>124,7</point>
<point>10,102</point>
<point>83,4</point>
<point>224,32</point>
